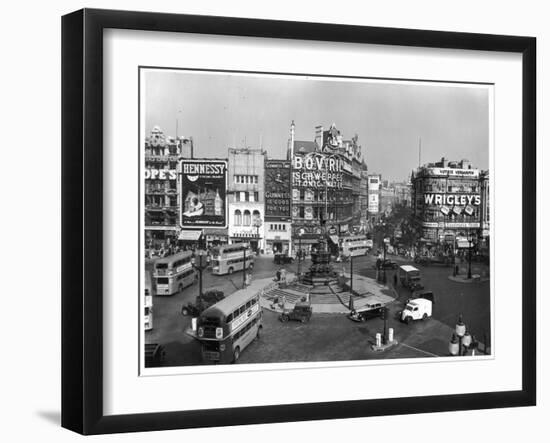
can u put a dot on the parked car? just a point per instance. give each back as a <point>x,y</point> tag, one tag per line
<point>369,311</point>
<point>281,259</point>
<point>210,297</point>
<point>302,311</point>
<point>385,264</point>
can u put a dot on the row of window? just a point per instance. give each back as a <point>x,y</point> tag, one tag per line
<point>249,179</point>
<point>159,201</point>
<point>277,227</point>
<point>245,218</point>
<point>238,260</point>
<point>241,310</point>
<point>244,330</point>
<point>185,274</point>
<point>247,196</point>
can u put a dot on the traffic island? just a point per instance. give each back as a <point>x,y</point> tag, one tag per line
<point>476,278</point>
<point>383,347</point>
<point>332,299</point>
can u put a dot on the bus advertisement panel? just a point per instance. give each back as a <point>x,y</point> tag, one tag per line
<point>174,273</point>
<point>226,328</point>
<point>203,185</point>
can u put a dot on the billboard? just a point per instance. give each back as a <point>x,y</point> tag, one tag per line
<point>318,170</point>
<point>277,189</point>
<point>203,185</point>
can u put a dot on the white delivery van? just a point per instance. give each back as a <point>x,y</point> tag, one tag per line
<point>417,309</point>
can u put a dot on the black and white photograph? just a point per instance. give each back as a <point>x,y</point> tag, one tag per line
<point>312,219</point>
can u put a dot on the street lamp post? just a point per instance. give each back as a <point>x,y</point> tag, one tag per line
<point>244,266</point>
<point>460,330</point>
<point>300,232</point>
<point>470,241</point>
<point>200,262</point>
<point>384,279</point>
<point>461,340</point>
<point>257,225</point>
<point>351,281</point>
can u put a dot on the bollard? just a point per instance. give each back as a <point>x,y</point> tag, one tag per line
<point>390,335</point>
<point>194,323</point>
<point>378,339</point>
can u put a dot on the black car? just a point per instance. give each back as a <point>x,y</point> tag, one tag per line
<point>369,311</point>
<point>302,311</point>
<point>385,264</point>
<point>281,259</point>
<point>210,297</point>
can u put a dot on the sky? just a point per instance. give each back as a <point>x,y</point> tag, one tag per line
<point>222,110</point>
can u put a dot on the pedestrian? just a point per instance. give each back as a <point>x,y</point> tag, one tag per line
<point>395,279</point>
<point>278,275</point>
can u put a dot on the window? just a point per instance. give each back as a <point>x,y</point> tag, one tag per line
<point>243,196</point>
<point>246,196</point>
<point>237,196</point>
<point>238,219</point>
<point>246,218</point>
<point>302,194</point>
<point>302,212</point>
<point>256,196</point>
<point>252,196</point>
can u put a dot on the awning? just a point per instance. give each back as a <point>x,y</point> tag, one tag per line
<point>189,235</point>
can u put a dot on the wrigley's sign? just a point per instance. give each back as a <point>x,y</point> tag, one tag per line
<point>452,199</point>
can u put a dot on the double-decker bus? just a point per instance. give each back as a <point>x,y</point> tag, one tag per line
<point>231,258</point>
<point>355,245</point>
<point>148,303</point>
<point>174,273</point>
<point>226,328</point>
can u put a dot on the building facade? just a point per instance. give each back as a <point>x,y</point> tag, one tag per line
<point>161,186</point>
<point>246,196</point>
<point>450,202</point>
<point>322,187</point>
<point>278,216</point>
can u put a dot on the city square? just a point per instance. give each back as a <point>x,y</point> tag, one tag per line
<point>306,253</point>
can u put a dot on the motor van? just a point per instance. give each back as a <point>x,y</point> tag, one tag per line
<point>417,309</point>
<point>409,277</point>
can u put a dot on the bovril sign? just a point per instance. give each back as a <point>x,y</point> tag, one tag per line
<point>452,199</point>
<point>160,174</point>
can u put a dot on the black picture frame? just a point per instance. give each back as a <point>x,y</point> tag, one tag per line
<point>82,220</point>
